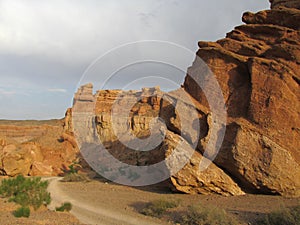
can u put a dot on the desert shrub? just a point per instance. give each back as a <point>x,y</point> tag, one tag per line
<point>26,191</point>
<point>198,215</point>
<point>73,168</point>
<point>72,174</point>
<point>66,206</point>
<point>75,177</point>
<point>285,216</point>
<point>23,211</point>
<point>157,208</point>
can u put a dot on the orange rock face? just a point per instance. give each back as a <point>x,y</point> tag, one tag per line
<point>36,148</point>
<point>257,66</point>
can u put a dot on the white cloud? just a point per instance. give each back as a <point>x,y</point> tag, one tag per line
<point>57,90</point>
<point>49,43</point>
<point>76,31</point>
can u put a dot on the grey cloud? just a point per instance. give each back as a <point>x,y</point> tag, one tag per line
<point>47,45</point>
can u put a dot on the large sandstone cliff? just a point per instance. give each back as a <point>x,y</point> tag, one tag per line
<point>145,107</point>
<point>257,67</point>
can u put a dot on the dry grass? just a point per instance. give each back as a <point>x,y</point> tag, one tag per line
<point>66,206</point>
<point>200,215</point>
<point>158,208</point>
<point>285,216</point>
<point>75,177</point>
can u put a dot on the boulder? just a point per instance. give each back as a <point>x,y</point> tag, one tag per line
<point>257,162</point>
<point>19,159</point>
<point>41,169</point>
<point>190,179</point>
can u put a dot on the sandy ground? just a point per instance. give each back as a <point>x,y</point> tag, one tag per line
<point>40,217</point>
<point>99,202</point>
<point>90,209</point>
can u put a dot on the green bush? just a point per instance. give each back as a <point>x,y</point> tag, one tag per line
<point>26,191</point>
<point>73,168</point>
<point>157,208</point>
<point>22,212</point>
<point>285,216</point>
<point>198,215</point>
<point>66,206</point>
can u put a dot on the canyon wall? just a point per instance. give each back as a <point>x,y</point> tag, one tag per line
<point>36,148</point>
<point>142,109</point>
<point>257,67</point>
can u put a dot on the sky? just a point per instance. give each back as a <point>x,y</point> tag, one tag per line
<point>47,46</point>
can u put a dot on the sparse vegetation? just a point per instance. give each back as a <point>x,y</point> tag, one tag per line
<point>194,215</point>
<point>75,177</point>
<point>198,215</point>
<point>157,208</point>
<point>25,192</point>
<point>66,206</point>
<point>23,211</point>
<point>72,174</point>
<point>73,168</point>
<point>285,216</point>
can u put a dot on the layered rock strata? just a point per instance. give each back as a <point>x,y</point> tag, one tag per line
<point>36,148</point>
<point>257,68</point>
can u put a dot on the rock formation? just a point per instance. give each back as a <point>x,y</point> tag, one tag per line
<point>36,148</point>
<point>285,3</point>
<point>256,66</point>
<point>134,112</point>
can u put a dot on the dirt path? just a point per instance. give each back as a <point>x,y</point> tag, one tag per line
<point>89,214</point>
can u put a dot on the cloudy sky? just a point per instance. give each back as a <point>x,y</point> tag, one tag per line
<point>47,45</point>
